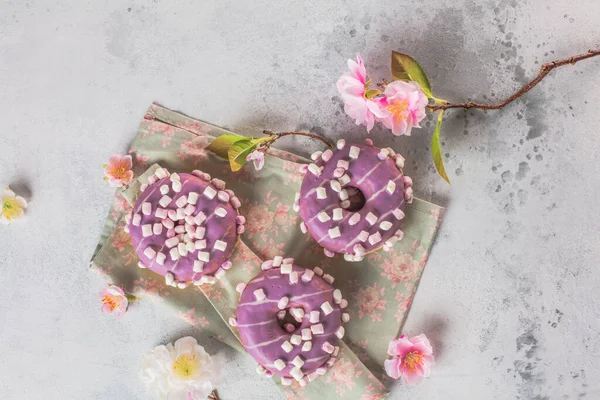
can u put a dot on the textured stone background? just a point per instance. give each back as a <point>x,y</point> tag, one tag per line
<point>510,294</point>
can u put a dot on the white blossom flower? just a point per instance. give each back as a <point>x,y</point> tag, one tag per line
<point>12,206</point>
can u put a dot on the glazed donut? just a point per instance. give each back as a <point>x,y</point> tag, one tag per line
<point>289,319</point>
<point>185,227</point>
<point>352,199</point>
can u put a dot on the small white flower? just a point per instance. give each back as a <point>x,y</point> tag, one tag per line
<point>182,371</point>
<point>12,206</point>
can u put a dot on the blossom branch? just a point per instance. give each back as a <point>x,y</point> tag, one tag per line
<point>545,70</point>
<point>213,395</point>
<point>282,134</point>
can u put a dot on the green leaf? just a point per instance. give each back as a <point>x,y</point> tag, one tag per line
<point>370,93</point>
<point>220,146</point>
<point>436,149</point>
<point>406,68</point>
<point>239,151</point>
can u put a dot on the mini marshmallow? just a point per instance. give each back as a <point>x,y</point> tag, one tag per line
<point>328,253</point>
<point>297,373</point>
<point>296,207</point>
<point>281,314</point>
<point>340,144</point>
<point>218,183</point>
<point>279,364</point>
<point>338,172</point>
<point>294,277</point>
<point>240,287</point>
<point>277,261</point>
<point>180,229</point>
<point>160,173</point>
<point>164,189</point>
<point>221,212</point>
<point>235,202</point>
<point>400,162</point>
<point>383,154</point>
<point>337,214</point>
<point>330,361</point>
<point>152,179</point>
<point>149,252</point>
<point>326,307</point>
<point>354,219</point>
<point>317,329</point>
<point>190,230</point>
<point>283,302</point>
<point>307,275</point>
<point>174,253</point>
<point>285,268</point>
<point>259,294</point>
<point>198,266</point>
<point>328,347</point>
<point>391,187</point>
<point>296,339</point>
<point>344,303</point>
<point>157,228</point>
<point>172,242</point>
<point>392,152</point>
<point>314,317</point>
<point>285,381</point>
<point>141,265</point>
<point>348,257</point>
<point>303,227</point>
<point>260,369</point>
<point>182,249</point>
<point>345,164</point>
<point>200,218</point>
<point>375,238</point>
<point>233,321</point>
<point>204,256</point>
<point>323,216</point>
<point>160,213</point>
<point>267,265</point>
<point>354,152</point>
<point>334,232</point>
<point>227,265</point>
<point>345,317</point>
<point>172,214</point>
<point>160,258</point>
<point>391,242</point>
<point>358,249</point>
<point>328,278</point>
<point>306,334</point>
<point>340,332</point>
<point>318,271</point>
<point>189,210</point>
<point>209,279</point>
<point>200,244</point>
<point>146,230</point>
<point>307,346</point>
<point>398,213</point>
<point>210,192</point>
<point>408,182</point>
<point>168,223</point>
<point>146,208</point>
<point>287,346</point>
<point>321,371</point>
<point>136,220</point>
<point>316,155</point>
<point>297,313</point>
<point>385,225</point>
<point>175,177</point>
<point>288,260</point>
<point>344,179</point>
<point>180,214</point>
<point>220,273</point>
<point>192,198</point>
<point>363,236</point>
<point>336,351</point>
<point>240,220</point>
<point>335,186</point>
<point>176,186</point>
<point>314,169</point>
<point>326,156</point>
<point>343,194</point>
<point>189,246</point>
<point>223,196</point>
<point>371,218</point>
<point>345,204</point>
<point>321,193</point>
<point>337,296</point>
<point>303,382</point>
<point>181,201</point>
<point>298,362</point>
<point>297,197</point>
<point>220,245</point>
<point>143,187</point>
<point>169,278</point>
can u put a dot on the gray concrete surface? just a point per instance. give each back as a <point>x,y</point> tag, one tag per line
<point>510,294</point>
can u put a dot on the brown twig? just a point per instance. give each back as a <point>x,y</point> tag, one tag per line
<point>546,68</point>
<point>213,395</point>
<point>282,134</point>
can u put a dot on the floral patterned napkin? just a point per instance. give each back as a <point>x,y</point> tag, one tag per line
<point>379,289</point>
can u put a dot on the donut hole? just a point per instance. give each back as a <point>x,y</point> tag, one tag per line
<point>356,198</point>
<point>288,319</point>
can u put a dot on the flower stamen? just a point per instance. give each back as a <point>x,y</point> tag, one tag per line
<point>413,360</point>
<point>399,109</point>
<point>186,365</point>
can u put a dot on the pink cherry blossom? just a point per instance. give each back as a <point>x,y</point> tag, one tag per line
<point>258,158</point>
<point>352,87</point>
<point>118,171</point>
<point>403,107</point>
<point>114,300</point>
<point>411,359</point>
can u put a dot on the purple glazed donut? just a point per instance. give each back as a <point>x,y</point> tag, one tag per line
<point>185,227</point>
<point>289,319</point>
<point>352,199</point>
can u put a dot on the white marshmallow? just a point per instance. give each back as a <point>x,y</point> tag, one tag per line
<point>176,186</point>
<point>312,376</point>
<point>218,183</point>
<point>337,296</point>
<point>375,238</point>
<point>146,208</point>
<point>303,227</point>
<point>277,261</point>
<point>400,162</point>
<point>160,173</point>
<point>152,179</point>
<point>307,275</point>
<point>296,339</point>
<point>221,212</point>
<point>267,265</point>
<point>348,257</point>
<point>164,201</point>
<point>296,197</point>
<point>297,373</point>
<point>321,193</point>
<point>259,294</point>
<point>235,202</point>
<point>181,201</point>
<point>210,192</point>
<point>398,213</point>
<point>337,214</point>
<point>326,307</point>
<point>296,207</point>
<point>328,278</point>
<point>149,252</point>
<point>200,232</point>
<point>354,152</point>
<point>328,347</point>
<point>371,218</point>
<point>260,369</point>
<point>160,213</point>
<point>279,364</point>
<point>190,246</point>
<point>285,381</point>
<point>354,219</point>
<point>283,302</point>
<point>340,144</point>
<point>358,249</point>
<point>383,154</point>
<point>306,334</point>
<point>175,177</point>
<point>169,278</point>
<point>174,253</point>
<point>363,236</point>
<point>326,156</point>
<point>314,317</point>
<point>182,249</point>
<point>180,214</point>
<point>189,210</point>
<point>172,214</point>
<point>146,230</point>
<point>200,218</point>
<point>220,245</point>
<point>314,169</point>
<point>180,229</point>
<point>335,186</point>
<point>345,164</point>
<point>160,258</point>
<point>391,187</point>
<point>198,266</point>
<point>141,265</point>
<point>344,303</point>
<point>385,225</point>
<point>328,253</point>
<point>204,256</point>
<point>209,279</point>
<point>164,189</point>
<point>136,220</point>
<point>318,271</point>
<point>298,362</point>
<point>172,242</point>
<point>168,223</point>
<point>340,332</point>
<point>223,196</point>
<point>345,317</point>
<point>344,179</point>
<point>192,198</point>
<point>343,194</point>
<point>323,216</point>
<point>317,329</point>
<point>307,346</point>
<point>240,287</point>
<point>281,314</point>
<point>288,260</point>
<point>285,268</point>
<point>233,321</point>
<point>200,244</point>
<point>338,172</point>
<point>294,277</point>
<point>345,204</point>
<point>297,313</point>
<point>334,232</point>
<point>315,156</point>
<point>157,228</point>
<point>220,273</point>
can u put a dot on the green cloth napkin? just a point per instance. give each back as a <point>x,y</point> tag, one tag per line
<point>379,289</point>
